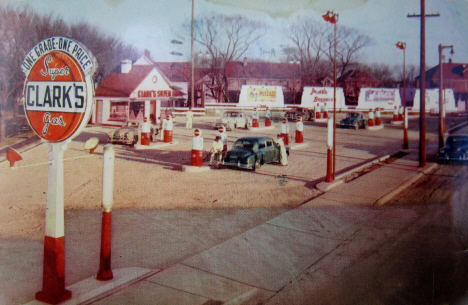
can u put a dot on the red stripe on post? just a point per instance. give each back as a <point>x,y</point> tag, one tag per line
<point>53,286</point>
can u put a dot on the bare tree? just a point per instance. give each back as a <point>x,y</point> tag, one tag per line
<point>309,39</point>
<point>349,43</point>
<point>226,38</point>
<point>383,72</point>
<point>23,28</point>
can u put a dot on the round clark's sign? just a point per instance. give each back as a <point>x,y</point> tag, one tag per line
<point>58,90</point>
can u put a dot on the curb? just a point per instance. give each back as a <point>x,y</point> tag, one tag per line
<point>421,173</point>
<point>326,186</point>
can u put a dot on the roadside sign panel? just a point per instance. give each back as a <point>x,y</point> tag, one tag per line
<point>58,90</point>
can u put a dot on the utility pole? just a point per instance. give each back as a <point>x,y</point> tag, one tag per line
<point>192,93</point>
<point>422,113</point>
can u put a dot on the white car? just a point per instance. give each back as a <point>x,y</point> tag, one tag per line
<point>233,119</point>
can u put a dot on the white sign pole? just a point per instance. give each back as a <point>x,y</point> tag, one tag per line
<point>53,286</point>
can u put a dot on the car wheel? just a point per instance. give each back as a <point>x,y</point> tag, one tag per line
<point>258,164</point>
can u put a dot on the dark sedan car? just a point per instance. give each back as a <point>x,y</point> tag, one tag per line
<point>455,150</point>
<point>253,152</point>
<point>354,120</point>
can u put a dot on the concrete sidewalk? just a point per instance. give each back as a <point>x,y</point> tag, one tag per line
<point>285,257</point>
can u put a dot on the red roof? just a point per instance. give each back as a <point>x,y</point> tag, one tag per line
<point>119,84</point>
<point>175,71</point>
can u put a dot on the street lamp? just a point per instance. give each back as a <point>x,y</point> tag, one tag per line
<point>333,19</point>
<point>441,96</point>
<point>402,46</point>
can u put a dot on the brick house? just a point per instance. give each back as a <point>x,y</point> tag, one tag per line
<point>352,82</point>
<point>455,76</point>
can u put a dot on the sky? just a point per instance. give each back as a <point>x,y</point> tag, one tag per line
<point>153,24</point>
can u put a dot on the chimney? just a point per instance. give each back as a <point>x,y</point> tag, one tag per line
<point>245,61</point>
<point>450,60</point>
<point>125,66</point>
<point>147,53</point>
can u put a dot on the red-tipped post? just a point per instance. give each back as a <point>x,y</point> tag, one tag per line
<point>105,270</point>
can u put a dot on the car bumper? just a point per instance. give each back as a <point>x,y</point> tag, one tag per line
<point>220,124</point>
<point>238,165</point>
<point>453,158</point>
<point>121,141</point>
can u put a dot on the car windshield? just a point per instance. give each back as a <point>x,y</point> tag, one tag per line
<point>230,115</point>
<point>248,144</point>
<point>457,142</point>
<point>131,124</point>
<point>352,115</point>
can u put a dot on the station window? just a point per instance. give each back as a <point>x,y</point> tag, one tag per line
<point>118,111</point>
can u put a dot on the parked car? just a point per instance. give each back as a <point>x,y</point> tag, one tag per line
<point>253,152</point>
<point>455,150</point>
<point>232,120</point>
<point>128,133</point>
<point>354,120</point>
<point>293,114</point>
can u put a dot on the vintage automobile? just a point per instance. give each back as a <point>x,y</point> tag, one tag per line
<point>232,120</point>
<point>354,120</point>
<point>306,114</point>
<point>128,133</point>
<point>253,152</point>
<point>455,150</point>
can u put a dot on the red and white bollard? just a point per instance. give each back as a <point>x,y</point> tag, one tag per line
<point>371,118</point>
<point>255,118</point>
<point>197,149</point>
<point>268,118</point>
<point>395,114</point>
<point>299,130</point>
<point>145,132</point>
<point>400,113</point>
<point>329,177</point>
<point>377,117</point>
<point>318,115</point>
<point>325,111</point>
<point>284,130</point>
<point>168,129</point>
<point>53,279</point>
<point>405,129</point>
<point>105,270</point>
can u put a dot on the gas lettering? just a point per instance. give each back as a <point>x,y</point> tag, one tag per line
<point>48,119</point>
<point>55,96</point>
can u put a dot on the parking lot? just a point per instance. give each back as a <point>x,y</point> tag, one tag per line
<point>151,182</point>
<point>154,178</point>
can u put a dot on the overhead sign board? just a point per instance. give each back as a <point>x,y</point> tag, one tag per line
<point>58,90</point>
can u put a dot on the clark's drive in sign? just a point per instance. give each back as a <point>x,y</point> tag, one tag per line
<point>58,91</point>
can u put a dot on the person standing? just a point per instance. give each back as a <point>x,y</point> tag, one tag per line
<point>189,116</point>
<point>217,151</point>
<point>283,153</point>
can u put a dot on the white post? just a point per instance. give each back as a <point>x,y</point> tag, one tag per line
<point>105,270</point>
<point>53,282</point>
